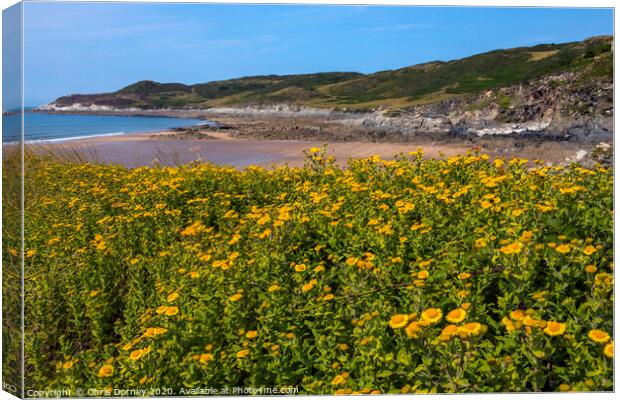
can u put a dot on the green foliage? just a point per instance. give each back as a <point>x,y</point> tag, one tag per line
<point>480,105</point>
<point>474,74</point>
<point>262,85</point>
<point>11,269</point>
<point>504,101</point>
<point>412,275</point>
<point>150,87</point>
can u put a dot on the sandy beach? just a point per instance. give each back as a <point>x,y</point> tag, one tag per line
<point>160,148</point>
<point>167,148</point>
<point>266,140</point>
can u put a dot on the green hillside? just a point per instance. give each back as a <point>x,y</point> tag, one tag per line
<point>480,72</point>
<point>407,86</point>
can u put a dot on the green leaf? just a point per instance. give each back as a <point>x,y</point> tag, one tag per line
<point>384,374</point>
<point>403,357</point>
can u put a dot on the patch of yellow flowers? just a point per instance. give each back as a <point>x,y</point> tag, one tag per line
<point>384,276</point>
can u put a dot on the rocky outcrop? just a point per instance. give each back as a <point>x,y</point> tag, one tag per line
<point>575,106</point>
<point>558,107</point>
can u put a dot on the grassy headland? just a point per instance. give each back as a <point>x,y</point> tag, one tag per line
<point>409,86</point>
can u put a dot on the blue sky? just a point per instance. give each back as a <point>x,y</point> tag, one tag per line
<point>11,58</point>
<point>90,48</point>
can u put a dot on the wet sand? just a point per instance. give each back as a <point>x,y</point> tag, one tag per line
<point>164,149</point>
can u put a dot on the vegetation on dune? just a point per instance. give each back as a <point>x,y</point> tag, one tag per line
<point>11,270</point>
<point>417,84</point>
<point>411,275</point>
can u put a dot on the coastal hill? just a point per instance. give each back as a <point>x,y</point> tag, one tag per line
<point>582,62</point>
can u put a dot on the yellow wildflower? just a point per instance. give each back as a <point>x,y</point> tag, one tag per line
<point>423,274</point>
<point>590,269</point>
<point>243,353</point>
<point>338,379</point>
<point>170,311</point>
<point>412,329</point>
<point>457,315</point>
<point>106,371</point>
<point>609,350</point>
<point>564,387</point>
<point>398,321</point>
<point>555,328</point>
<point>431,315</point>
<point>470,329</point>
<point>598,336</point>
<point>588,250</point>
<point>513,248</point>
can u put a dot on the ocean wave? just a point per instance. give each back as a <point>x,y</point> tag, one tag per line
<point>207,123</point>
<point>65,139</point>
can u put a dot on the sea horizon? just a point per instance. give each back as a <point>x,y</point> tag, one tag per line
<point>42,127</point>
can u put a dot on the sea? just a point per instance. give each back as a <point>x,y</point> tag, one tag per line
<point>41,127</point>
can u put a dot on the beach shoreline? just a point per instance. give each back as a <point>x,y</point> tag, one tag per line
<point>277,137</point>
<point>171,148</point>
<point>163,148</point>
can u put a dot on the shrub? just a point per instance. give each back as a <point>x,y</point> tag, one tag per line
<point>410,275</point>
